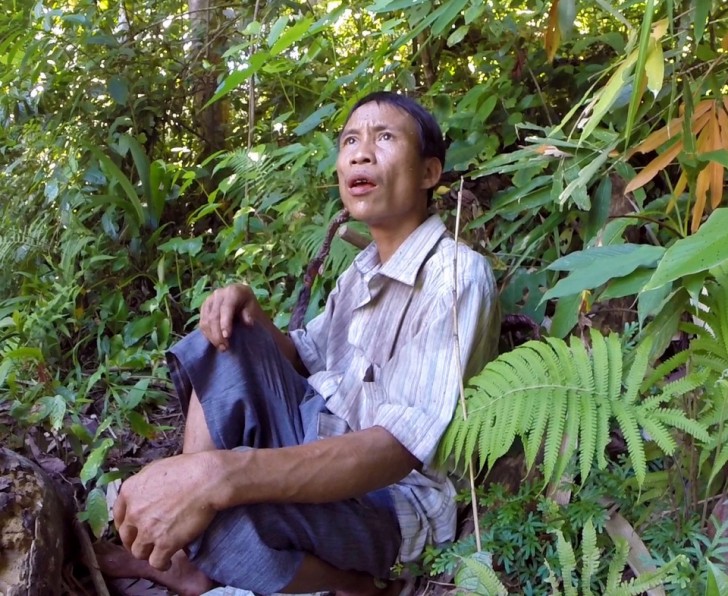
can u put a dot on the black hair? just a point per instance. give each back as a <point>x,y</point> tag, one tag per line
<point>432,143</point>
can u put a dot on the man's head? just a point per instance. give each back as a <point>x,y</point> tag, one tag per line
<point>391,155</point>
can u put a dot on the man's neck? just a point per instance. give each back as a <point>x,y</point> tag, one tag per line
<point>388,240</point>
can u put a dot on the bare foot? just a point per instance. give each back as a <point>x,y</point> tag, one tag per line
<point>182,577</point>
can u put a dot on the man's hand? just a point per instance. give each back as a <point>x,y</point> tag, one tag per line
<point>164,507</point>
<point>222,307</point>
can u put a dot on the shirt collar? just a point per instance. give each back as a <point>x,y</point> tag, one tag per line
<point>405,263</point>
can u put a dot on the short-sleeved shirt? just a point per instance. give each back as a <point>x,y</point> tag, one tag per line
<point>383,353</point>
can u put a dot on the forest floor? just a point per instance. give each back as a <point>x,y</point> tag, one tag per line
<point>54,453</point>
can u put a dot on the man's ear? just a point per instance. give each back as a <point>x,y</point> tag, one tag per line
<point>432,172</point>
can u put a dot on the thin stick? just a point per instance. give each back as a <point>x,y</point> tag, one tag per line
<point>88,556</point>
<point>471,472</point>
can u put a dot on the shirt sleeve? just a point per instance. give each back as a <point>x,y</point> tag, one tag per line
<point>419,386</point>
<point>310,341</point>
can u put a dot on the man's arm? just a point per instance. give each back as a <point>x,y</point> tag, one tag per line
<point>172,501</point>
<point>330,469</point>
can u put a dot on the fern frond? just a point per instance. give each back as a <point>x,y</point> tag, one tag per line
<point>614,352</point>
<point>588,437</point>
<point>685,384</point>
<point>652,579</point>
<point>554,433</point>
<point>676,418</point>
<point>637,371</point>
<point>616,565</point>
<point>476,575</point>
<point>658,433</point>
<point>664,369</point>
<point>628,424</point>
<point>536,431</point>
<point>711,361</point>
<point>600,364</point>
<point>603,414</point>
<point>590,556</point>
<point>552,580</point>
<point>718,465</point>
<point>567,560</point>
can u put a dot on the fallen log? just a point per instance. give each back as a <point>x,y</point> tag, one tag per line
<point>33,529</point>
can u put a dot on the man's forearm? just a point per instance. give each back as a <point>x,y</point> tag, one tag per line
<point>322,471</point>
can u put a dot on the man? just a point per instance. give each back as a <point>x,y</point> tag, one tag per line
<point>307,457</point>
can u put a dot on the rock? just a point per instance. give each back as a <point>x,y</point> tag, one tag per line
<point>33,527</point>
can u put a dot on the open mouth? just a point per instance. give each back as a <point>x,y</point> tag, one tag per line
<point>360,183</point>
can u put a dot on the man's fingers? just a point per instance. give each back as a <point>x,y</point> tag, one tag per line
<point>119,510</point>
<point>210,319</point>
<point>128,534</point>
<point>227,314</point>
<point>140,550</point>
<point>161,557</point>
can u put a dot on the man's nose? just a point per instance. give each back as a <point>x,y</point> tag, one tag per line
<point>363,152</point>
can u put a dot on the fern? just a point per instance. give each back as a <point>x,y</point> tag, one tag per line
<point>563,398</point>
<point>590,556</point>
<point>567,560</point>
<point>476,575</point>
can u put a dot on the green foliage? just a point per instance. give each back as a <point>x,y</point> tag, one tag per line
<point>476,576</point>
<point>559,396</point>
<point>120,214</point>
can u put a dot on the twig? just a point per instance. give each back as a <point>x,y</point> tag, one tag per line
<point>88,556</point>
<point>251,88</point>
<point>471,472</point>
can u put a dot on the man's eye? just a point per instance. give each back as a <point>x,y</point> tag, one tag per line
<point>386,136</point>
<point>349,141</point>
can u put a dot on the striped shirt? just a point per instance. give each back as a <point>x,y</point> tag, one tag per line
<point>383,354</point>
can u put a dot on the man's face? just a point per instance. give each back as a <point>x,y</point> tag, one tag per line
<point>383,180</point>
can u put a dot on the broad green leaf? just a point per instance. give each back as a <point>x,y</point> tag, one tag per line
<point>135,395</point>
<point>140,425</point>
<point>584,178</point>
<point>717,581</point>
<point>277,29</point>
<point>703,250</point>
<point>458,35</point>
<point>137,329</point>
<point>291,36</point>
<point>256,62</point>
<point>655,68</point>
<point>24,353</point>
<point>113,172</point>
<point>629,285</point>
<point>119,90</point>
<point>700,17</point>
<point>91,467</point>
<point>448,12</point>
<point>141,161</point>
<point>720,156</point>
<point>5,367</point>
<point>595,266</point>
<point>567,15</point>
<point>97,512</point>
<point>639,71</point>
<point>315,119</point>
<point>599,212</point>
<point>157,191</point>
<point>566,316</point>
<point>609,94</point>
<point>651,301</point>
<point>184,246</point>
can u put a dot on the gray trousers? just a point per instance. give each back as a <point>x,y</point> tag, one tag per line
<point>252,397</point>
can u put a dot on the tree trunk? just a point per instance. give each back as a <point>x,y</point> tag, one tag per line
<point>33,529</point>
<point>208,41</point>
